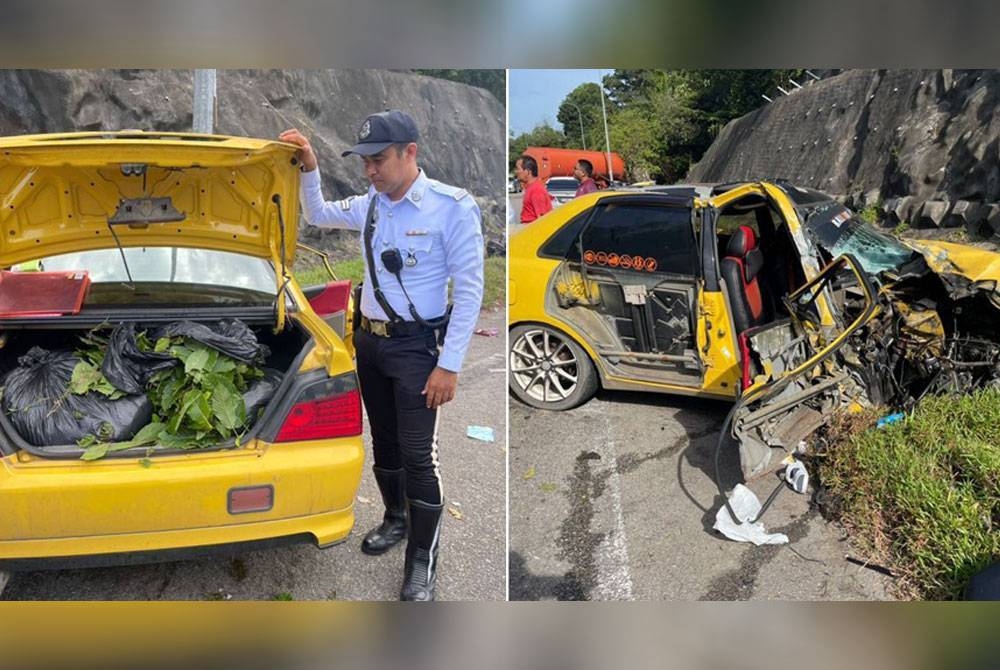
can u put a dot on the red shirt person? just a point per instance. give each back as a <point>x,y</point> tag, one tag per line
<point>537,200</point>
<point>582,171</point>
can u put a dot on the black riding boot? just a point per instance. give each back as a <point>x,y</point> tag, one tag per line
<point>420,571</point>
<point>392,484</point>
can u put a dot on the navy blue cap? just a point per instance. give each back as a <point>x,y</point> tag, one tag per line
<point>383,130</point>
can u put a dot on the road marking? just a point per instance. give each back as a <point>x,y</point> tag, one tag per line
<point>615,576</point>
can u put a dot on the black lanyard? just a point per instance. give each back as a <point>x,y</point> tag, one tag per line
<point>370,256</point>
<point>394,317</point>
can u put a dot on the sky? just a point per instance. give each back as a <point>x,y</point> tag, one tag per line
<point>535,95</point>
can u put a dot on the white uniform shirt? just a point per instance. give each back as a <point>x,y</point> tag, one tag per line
<point>438,231</point>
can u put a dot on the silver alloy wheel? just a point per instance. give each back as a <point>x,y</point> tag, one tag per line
<point>544,366</point>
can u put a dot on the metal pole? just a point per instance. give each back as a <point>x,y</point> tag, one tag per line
<point>579,115</point>
<point>204,101</point>
<point>607,138</point>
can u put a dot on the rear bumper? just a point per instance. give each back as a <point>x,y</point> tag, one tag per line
<point>155,556</point>
<point>70,512</point>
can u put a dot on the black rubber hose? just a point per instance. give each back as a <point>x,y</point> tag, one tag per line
<point>718,450</point>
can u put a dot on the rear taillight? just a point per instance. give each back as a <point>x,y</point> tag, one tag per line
<point>324,410</point>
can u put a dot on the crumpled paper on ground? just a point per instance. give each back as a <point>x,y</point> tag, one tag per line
<point>746,506</point>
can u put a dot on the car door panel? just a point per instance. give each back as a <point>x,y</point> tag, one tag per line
<point>632,286</point>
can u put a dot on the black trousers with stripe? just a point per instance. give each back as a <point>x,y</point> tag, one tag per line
<point>392,372</point>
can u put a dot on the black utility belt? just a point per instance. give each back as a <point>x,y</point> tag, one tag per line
<point>390,329</point>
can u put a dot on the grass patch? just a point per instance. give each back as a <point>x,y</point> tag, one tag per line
<point>494,275</point>
<point>872,214</point>
<point>922,496</point>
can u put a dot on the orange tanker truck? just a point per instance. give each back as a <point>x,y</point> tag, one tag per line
<point>560,162</point>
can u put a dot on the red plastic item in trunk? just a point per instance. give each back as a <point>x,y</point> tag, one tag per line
<point>42,293</point>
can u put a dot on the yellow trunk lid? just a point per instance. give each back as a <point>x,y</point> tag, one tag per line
<point>59,192</point>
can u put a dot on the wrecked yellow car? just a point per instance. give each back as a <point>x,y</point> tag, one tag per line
<point>102,229</point>
<point>775,296</point>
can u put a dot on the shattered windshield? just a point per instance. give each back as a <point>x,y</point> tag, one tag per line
<point>838,231</point>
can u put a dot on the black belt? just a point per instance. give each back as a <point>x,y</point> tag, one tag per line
<point>390,329</point>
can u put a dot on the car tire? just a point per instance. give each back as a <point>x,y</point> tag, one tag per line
<point>548,370</point>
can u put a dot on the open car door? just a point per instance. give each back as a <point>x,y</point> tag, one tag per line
<point>799,366</point>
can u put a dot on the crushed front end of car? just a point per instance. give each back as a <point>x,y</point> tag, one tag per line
<point>884,324</point>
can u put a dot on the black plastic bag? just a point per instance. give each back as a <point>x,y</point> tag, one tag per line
<point>260,392</point>
<point>126,366</point>
<point>229,336</point>
<point>45,412</point>
<point>129,368</point>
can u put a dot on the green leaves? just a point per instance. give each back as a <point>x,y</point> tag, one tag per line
<point>200,401</point>
<point>228,409</point>
<point>196,361</point>
<point>148,434</point>
<point>86,378</point>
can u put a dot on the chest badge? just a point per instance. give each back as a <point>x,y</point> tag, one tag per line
<point>411,260</point>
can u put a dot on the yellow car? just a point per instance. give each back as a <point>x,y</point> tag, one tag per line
<point>153,228</point>
<point>773,295</point>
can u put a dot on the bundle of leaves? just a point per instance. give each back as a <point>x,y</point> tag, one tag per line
<point>196,403</point>
<point>922,496</point>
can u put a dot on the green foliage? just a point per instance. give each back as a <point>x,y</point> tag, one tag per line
<point>660,121</point>
<point>582,107</point>
<point>148,434</point>
<point>283,596</point>
<point>871,214</point>
<point>494,281</point>
<point>201,399</point>
<point>923,496</point>
<point>494,81</point>
<point>352,269</point>
<point>541,136</point>
<point>86,377</point>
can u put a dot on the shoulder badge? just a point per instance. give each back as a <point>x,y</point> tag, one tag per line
<point>444,189</point>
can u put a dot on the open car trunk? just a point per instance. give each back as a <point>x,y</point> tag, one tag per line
<point>39,341</point>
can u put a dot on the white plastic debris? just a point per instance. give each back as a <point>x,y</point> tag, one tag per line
<point>746,506</point>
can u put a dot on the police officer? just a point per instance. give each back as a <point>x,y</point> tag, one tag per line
<point>416,234</point>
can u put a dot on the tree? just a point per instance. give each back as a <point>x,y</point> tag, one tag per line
<point>542,135</point>
<point>580,112</point>
<point>629,87</point>
<point>686,109</point>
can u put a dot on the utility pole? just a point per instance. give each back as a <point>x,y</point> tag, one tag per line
<point>579,115</point>
<point>204,101</point>
<point>607,138</point>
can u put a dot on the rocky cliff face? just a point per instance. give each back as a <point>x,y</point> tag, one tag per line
<point>462,127</point>
<point>921,145</point>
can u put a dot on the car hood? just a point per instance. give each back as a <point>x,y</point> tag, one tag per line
<point>59,193</point>
<point>976,265</point>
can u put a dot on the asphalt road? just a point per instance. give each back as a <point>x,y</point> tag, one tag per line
<point>615,500</point>
<point>472,559</point>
